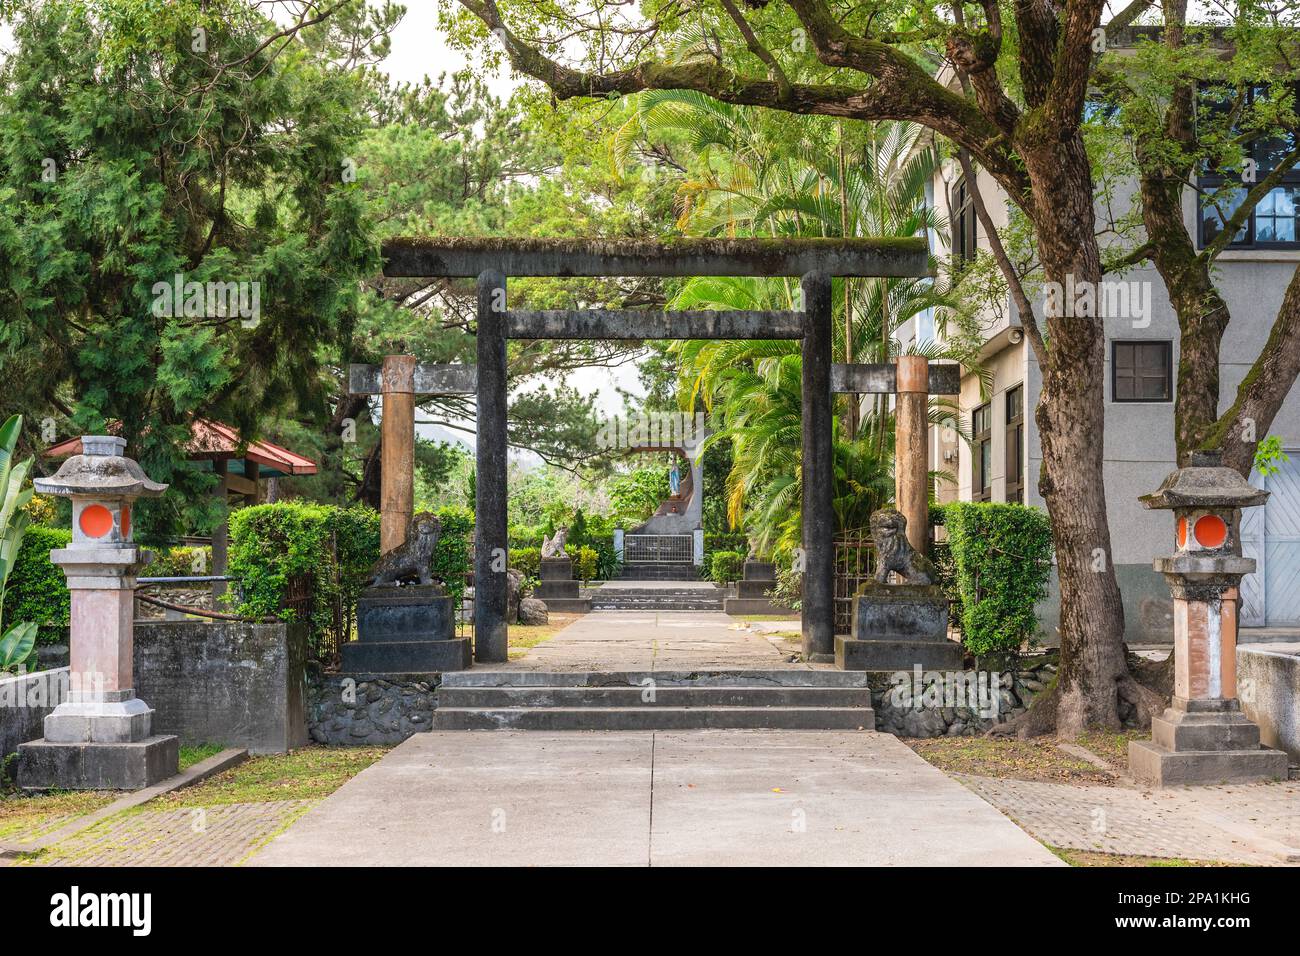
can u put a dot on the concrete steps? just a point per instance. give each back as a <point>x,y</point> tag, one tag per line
<point>669,700</point>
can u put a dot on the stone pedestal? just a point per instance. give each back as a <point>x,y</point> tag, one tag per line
<point>405,630</point>
<point>752,590</point>
<point>897,628</point>
<point>1203,742</point>
<point>558,589</point>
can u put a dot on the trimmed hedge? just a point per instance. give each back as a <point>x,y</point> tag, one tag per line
<point>1001,560</point>
<point>527,560</point>
<point>333,547</point>
<point>38,589</point>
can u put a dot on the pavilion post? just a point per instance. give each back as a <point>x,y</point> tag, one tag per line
<point>818,472</point>
<point>490,581</point>
<point>397,451</point>
<point>221,533</point>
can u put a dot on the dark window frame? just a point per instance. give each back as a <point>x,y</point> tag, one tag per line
<point>1015,449</point>
<point>981,485</point>
<point>1209,180</point>
<point>1167,346</point>
<point>965,226</point>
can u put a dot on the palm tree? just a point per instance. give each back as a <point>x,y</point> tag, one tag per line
<point>743,185</point>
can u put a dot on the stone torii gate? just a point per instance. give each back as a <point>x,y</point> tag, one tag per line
<point>399,380</point>
<point>815,261</point>
<point>913,379</point>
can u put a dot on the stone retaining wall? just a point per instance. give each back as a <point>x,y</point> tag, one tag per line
<point>1268,682</point>
<point>939,704</point>
<point>25,699</point>
<point>224,682</point>
<point>353,710</point>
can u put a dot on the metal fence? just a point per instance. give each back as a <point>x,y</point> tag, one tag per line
<point>855,563</point>
<point>658,549</point>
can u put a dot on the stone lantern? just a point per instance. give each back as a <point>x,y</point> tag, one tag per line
<point>1203,738</point>
<point>101,736</point>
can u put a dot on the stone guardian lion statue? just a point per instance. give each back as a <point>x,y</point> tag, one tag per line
<point>411,561</point>
<point>895,553</point>
<point>554,547</point>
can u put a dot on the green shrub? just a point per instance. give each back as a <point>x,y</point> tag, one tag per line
<point>527,560</point>
<point>726,566</point>
<point>585,561</point>
<point>1001,560</point>
<point>713,543</point>
<point>451,560</point>
<point>333,548</point>
<point>178,563</point>
<point>38,589</point>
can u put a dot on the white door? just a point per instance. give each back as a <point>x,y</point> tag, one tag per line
<point>1271,535</point>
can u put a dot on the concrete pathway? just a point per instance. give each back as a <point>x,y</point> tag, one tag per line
<point>721,797</point>
<point>664,640</point>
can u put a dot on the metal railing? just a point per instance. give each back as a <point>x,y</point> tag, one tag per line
<point>658,549</point>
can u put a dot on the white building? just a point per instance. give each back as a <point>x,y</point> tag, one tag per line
<point>1004,461</point>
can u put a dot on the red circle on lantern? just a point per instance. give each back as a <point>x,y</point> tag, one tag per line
<point>1182,532</point>
<point>96,521</point>
<point>126,521</point>
<point>1211,531</point>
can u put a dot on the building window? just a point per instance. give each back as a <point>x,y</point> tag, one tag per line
<point>1016,444</point>
<point>981,485</point>
<point>1273,222</point>
<point>963,225</point>
<point>1141,371</point>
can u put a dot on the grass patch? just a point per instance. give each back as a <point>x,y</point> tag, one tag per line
<point>1112,747</point>
<point>764,617</point>
<point>1037,760</point>
<point>306,774</point>
<point>25,817</point>
<point>192,755</point>
<point>1096,858</point>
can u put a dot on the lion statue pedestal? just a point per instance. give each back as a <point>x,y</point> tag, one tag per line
<point>558,588</point>
<point>897,627</point>
<point>406,628</point>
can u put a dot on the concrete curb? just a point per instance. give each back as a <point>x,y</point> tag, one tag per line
<point>186,778</point>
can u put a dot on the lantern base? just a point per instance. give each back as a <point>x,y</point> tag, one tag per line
<point>47,765</point>
<point>1191,746</point>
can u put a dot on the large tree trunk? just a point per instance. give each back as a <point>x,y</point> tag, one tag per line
<point>1071,420</point>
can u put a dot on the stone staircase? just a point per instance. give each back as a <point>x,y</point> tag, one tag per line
<point>663,700</point>
<point>657,599</point>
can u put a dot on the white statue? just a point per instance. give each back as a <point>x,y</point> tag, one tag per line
<point>554,547</point>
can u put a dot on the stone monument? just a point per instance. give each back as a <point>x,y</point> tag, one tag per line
<point>557,589</point>
<point>1203,737</point>
<point>752,590</point>
<point>898,626</point>
<point>101,737</point>
<point>406,623</point>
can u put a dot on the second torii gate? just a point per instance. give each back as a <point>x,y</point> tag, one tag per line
<point>913,379</point>
<point>815,261</point>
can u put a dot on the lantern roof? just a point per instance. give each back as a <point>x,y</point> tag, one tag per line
<point>101,469</point>
<point>1205,483</point>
